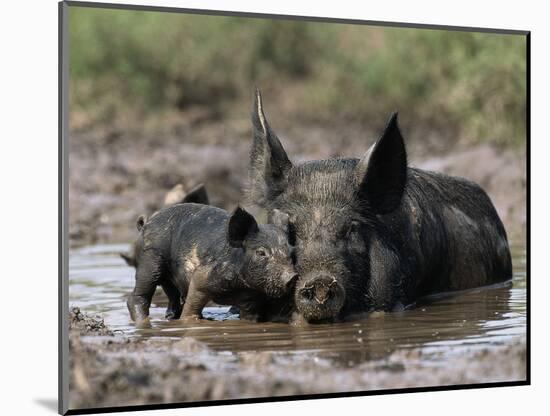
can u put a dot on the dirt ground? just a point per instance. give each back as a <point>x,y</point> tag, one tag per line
<point>112,370</point>
<point>118,173</point>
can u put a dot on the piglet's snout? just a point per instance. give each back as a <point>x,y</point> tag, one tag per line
<point>290,278</point>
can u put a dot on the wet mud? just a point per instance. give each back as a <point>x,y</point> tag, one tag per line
<point>115,371</point>
<point>476,336</point>
<point>83,324</point>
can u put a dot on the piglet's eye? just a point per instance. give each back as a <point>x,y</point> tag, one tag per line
<point>353,227</point>
<point>261,252</point>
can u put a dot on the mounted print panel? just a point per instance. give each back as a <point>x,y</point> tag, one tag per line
<point>261,208</point>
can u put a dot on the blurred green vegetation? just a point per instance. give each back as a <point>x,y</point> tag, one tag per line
<point>471,84</point>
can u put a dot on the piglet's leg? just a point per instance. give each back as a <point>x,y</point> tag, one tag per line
<point>174,300</point>
<point>195,301</point>
<point>148,274</point>
<point>250,311</point>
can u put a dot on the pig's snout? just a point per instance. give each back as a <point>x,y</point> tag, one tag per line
<point>319,297</point>
<point>319,289</point>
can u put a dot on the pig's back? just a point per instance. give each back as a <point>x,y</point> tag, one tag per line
<point>460,240</point>
<point>176,226</point>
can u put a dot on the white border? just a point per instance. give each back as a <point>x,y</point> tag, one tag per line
<point>29,208</point>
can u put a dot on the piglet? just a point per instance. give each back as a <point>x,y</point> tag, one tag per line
<point>199,253</point>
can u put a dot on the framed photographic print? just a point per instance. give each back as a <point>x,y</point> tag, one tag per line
<point>265,208</point>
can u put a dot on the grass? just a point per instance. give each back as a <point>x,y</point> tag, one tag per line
<point>125,63</point>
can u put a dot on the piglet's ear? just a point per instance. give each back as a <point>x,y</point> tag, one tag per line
<point>382,172</point>
<point>280,219</point>
<point>141,222</point>
<point>197,195</point>
<point>241,226</point>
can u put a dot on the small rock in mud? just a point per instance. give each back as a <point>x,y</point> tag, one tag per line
<point>257,359</point>
<point>190,346</point>
<point>87,325</point>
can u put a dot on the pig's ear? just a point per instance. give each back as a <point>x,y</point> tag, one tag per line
<point>141,222</point>
<point>197,195</point>
<point>280,219</point>
<point>269,163</point>
<point>382,172</point>
<point>241,226</point>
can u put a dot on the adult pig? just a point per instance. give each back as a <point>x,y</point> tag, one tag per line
<point>200,253</point>
<point>372,233</point>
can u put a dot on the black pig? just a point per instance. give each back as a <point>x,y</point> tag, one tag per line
<point>197,195</point>
<point>199,253</point>
<point>372,233</point>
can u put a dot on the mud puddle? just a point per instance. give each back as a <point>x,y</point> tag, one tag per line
<point>470,337</point>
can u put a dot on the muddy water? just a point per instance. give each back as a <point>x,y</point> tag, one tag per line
<point>440,327</point>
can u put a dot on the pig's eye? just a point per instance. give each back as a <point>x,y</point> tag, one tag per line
<point>261,252</point>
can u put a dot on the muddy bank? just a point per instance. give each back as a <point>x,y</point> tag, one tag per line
<point>113,370</point>
<point>84,324</point>
<point>118,173</point>
<point>501,173</point>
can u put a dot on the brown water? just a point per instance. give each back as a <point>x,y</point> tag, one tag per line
<point>443,326</point>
